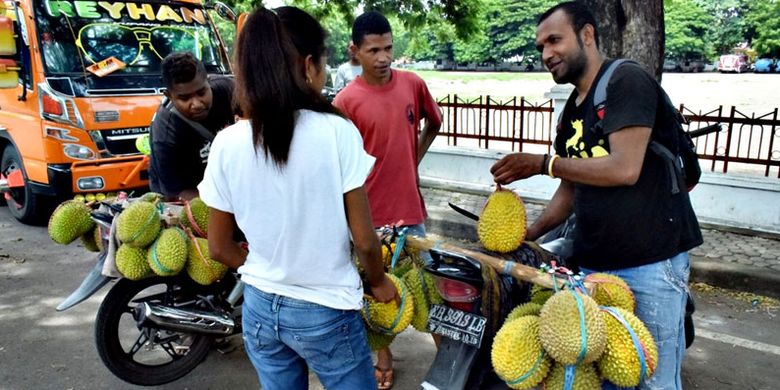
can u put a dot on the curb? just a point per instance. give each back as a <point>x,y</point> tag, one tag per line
<point>703,270</point>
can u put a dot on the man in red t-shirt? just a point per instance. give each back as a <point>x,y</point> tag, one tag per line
<point>387,106</point>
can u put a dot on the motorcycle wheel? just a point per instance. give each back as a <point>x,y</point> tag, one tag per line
<point>146,356</point>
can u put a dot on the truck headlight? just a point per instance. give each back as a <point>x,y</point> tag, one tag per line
<point>90,183</point>
<point>79,152</point>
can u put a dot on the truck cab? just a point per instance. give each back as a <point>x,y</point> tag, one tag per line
<point>82,85</point>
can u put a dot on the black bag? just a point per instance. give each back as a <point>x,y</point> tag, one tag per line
<point>684,165</point>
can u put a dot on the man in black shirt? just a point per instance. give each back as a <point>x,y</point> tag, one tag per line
<point>629,221</point>
<point>195,109</point>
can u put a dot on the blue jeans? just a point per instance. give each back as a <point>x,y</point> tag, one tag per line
<point>661,291</point>
<point>282,336</point>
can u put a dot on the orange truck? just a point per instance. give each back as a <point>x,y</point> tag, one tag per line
<point>80,83</point>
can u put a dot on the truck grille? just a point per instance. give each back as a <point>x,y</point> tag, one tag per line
<point>121,141</point>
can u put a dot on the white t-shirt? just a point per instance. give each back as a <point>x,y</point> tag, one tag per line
<point>293,218</point>
<point>346,73</point>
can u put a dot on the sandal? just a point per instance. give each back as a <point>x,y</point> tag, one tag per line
<point>384,378</point>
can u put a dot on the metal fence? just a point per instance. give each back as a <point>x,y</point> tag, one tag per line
<point>746,144</point>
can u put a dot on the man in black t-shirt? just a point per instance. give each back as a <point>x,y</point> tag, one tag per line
<point>195,109</point>
<point>629,221</point>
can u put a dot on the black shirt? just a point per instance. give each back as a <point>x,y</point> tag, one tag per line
<point>626,226</point>
<point>179,152</point>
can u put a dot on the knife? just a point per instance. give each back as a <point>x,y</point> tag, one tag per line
<point>464,212</point>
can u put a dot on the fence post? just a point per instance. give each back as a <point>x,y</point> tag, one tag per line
<point>729,134</point>
<point>487,121</point>
<point>455,120</point>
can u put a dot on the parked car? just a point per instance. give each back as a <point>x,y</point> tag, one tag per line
<point>684,65</point>
<point>737,63</point>
<point>764,65</point>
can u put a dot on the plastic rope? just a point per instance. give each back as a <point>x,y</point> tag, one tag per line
<point>193,221</point>
<point>508,266</point>
<point>399,246</point>
<point>163,268</point>
<point>583,330</point>
<point>569,372</point>
<point>398,316</point>
<point>201,256</point>
<point>146,224</point>
<point>640,348</point>
<point>530,372</point>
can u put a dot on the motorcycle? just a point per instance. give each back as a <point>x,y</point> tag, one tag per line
<point>157,329</point>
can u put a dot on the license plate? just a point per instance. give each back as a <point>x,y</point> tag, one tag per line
<point>457,324</point>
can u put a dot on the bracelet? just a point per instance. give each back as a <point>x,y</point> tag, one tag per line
<point>550,165</point>
<point>544,164</point>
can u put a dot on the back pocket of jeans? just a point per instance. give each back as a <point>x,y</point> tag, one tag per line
<point>328,348</point>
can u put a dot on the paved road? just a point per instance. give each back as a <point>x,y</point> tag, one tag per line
<point>737,346</point>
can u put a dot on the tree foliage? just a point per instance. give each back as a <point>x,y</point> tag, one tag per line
<point>687,28</point>
<point>763,17</point>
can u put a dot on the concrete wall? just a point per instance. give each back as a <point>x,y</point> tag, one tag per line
<point>742,202</point>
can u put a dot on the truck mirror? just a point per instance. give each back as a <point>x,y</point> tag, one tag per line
<point>7,41</point>
<point>9,73</point>
<point>224,11</point>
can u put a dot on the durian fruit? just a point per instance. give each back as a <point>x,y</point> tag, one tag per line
<point>526,309</point>
<point>585,378</point>
<point>377,340</point>
<point>517,355</point>
<point>92,240</point>
<point>200,267</point>
<point>561,332</point>
<point>131,262</point>
<point>387,254</point>
<point>69,221</point>
<point>423,289</point>
<point>138,224</point>
<point>152,197</point>
<point>502,224</point>
<point>620,362</point>
<point>389,317</point>
<point>611,290</point>
<point>195,211</point>
<point>168,255</point>
<point>540,294</point>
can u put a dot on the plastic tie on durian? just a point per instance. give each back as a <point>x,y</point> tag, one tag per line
<point>145,225</point>
<point>193,221</point>
<point>568,376</point>
<point>163,268</point>
<point>640,348</point>
<point>399,246</point>
<point>200,252</point>
<point>380,329</point>
<point>509,265</point>
<point>530,372</point>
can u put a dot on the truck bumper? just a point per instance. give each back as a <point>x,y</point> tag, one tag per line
<point>116,174</point>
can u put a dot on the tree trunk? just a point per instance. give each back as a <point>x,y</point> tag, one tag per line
<point>631,29</point>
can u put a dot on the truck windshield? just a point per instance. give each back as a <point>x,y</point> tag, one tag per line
<point>74,35</point>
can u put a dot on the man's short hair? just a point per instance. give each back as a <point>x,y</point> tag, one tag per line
<point>181,67</point>
<point>371,22</point>
<point>579,16</point>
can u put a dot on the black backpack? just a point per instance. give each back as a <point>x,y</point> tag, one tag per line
<point>683,166</point>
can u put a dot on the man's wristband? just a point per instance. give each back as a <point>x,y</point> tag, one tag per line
<point>542,169</point>
<point>550,165</point>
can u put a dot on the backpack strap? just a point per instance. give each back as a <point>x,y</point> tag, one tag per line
<point>202,130</point>
<point>673,164</point>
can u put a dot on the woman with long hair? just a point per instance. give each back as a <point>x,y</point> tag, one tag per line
<point>291,176</point>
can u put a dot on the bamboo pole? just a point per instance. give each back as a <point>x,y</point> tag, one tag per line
<point>518,271</point>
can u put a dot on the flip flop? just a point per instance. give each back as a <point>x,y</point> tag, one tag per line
<point>384,378</point>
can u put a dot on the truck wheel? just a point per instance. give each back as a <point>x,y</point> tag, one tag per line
<point>22,203</point>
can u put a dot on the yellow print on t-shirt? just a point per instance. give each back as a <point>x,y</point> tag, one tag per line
<point>576,145</point>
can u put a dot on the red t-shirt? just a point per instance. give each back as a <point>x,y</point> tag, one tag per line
<point>388,117</point>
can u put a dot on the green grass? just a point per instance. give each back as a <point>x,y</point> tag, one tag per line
<point>480,76</point>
